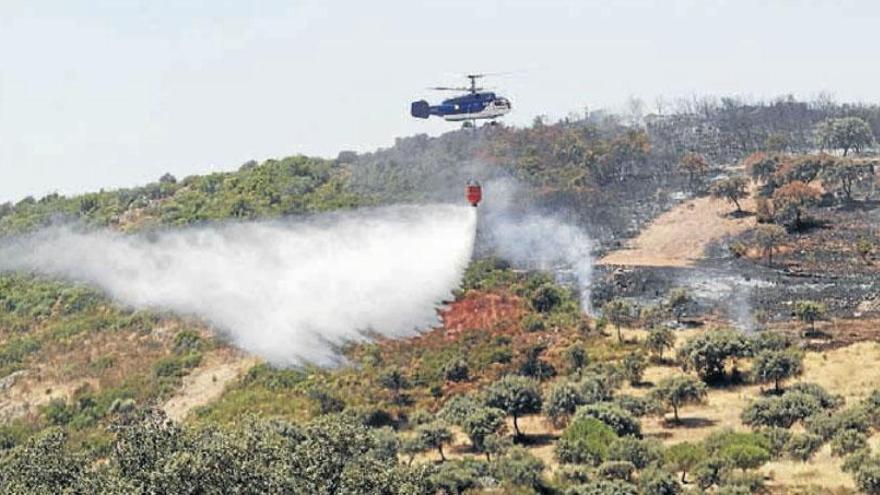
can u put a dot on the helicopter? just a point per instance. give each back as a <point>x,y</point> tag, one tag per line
<point>475,104</point>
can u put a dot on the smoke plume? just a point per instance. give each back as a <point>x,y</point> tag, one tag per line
<point>289,291</point>
<point>542,241</point>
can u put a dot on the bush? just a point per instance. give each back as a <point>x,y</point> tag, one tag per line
<point>585,441</point>
<point>546,298</point>
<point>519,468</point>
<point>616,470</point>
<point>857,459</point>
<point>456,370</point>
<point>777,439</point>
<point>657,481</point>
<point>745,456</point>
<point>781,411</point>
<point>576,357</point>
<point>711,471</point>
<point>561,401</point>
<point>802,446</point>
<point>619,420</point>
<point>708,353</point>
<point>826,425</point>
<point>533,323</point>
<point>637,406</point>
<point>602,487</point>
<point>641,453</point>
<point>634,365</point>
<point>848,441</point>
<point>868,478</point>
<point>826,400</point>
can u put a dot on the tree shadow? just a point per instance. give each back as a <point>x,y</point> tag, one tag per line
<point>736,214</point>
<point>536,440</point>
<point>689,422</point>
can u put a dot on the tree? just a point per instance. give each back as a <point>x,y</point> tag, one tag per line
<point>868,477</point>
<point>634,365</point>
<point>585,441</point>
<point>456,370</point>
<point>620,420</point>
<point>617,312</point>
<point>677,391</point>
<point>684,457</point>
<point>641,453</point>
<point>846,442</point>
<point>535,367</point>
<point>660,339</point>
<point>847,133</point>
<point>395,381</point>
<point>745,456</point>
<point>519,468</point>
<point>768,238</point>
<point>809,312</point>
<point>695,166</point>
<point>846,175</point>
<point>561,401</point>
<point>546,298</point>
<point>775,366</point>
<point>732,189</point>
<point>433,436</point>
<point>516,396</point>
<point>864,247</point>
<point>802,446</point>
<point>480,423</point>
<point>652,316</point>
<point>576,357</point>
<point>790,201</point>
<point>656,481</point>
<point>761,166</point>
<point>780,412</point>
<point>677,301</point>
<point>708,353</point>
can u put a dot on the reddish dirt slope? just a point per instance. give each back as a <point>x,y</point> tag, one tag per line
<point>480,310</point>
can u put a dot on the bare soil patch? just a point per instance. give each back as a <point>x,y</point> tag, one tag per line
<point>680,236</point>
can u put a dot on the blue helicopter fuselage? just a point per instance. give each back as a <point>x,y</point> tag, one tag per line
<point>471,106</point>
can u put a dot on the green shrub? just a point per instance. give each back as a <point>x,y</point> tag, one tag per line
<point>641,453</point>
<point>616,470</point>
<point>456,370</point>
<point>619,420</point>
<point>848,441</point>
<point>585,441</point>
<point>802,446</point>
<point>656,481</point>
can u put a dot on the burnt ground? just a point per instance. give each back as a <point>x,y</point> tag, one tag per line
<point>819,263</point>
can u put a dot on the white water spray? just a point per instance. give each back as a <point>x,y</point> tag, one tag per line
<point>287,291</point>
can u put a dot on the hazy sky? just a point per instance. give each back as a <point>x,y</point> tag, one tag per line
<point>115,93</point>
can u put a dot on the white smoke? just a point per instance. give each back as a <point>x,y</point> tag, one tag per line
<point>536,241</point>
<point>287,291</point>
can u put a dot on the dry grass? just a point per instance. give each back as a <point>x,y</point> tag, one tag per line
<point>207,382</point>
<point>680,236</point>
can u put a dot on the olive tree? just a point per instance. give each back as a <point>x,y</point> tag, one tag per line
<point>847,133</point>
<point>677,391</point>
<point>775,366</point>
<point>768,238</point>
<point>809,312</point>
<point>732,190</point>
<point>617,312</point>
<point>516,396</point>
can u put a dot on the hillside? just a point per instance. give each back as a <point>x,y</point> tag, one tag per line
<point>730,346</point>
